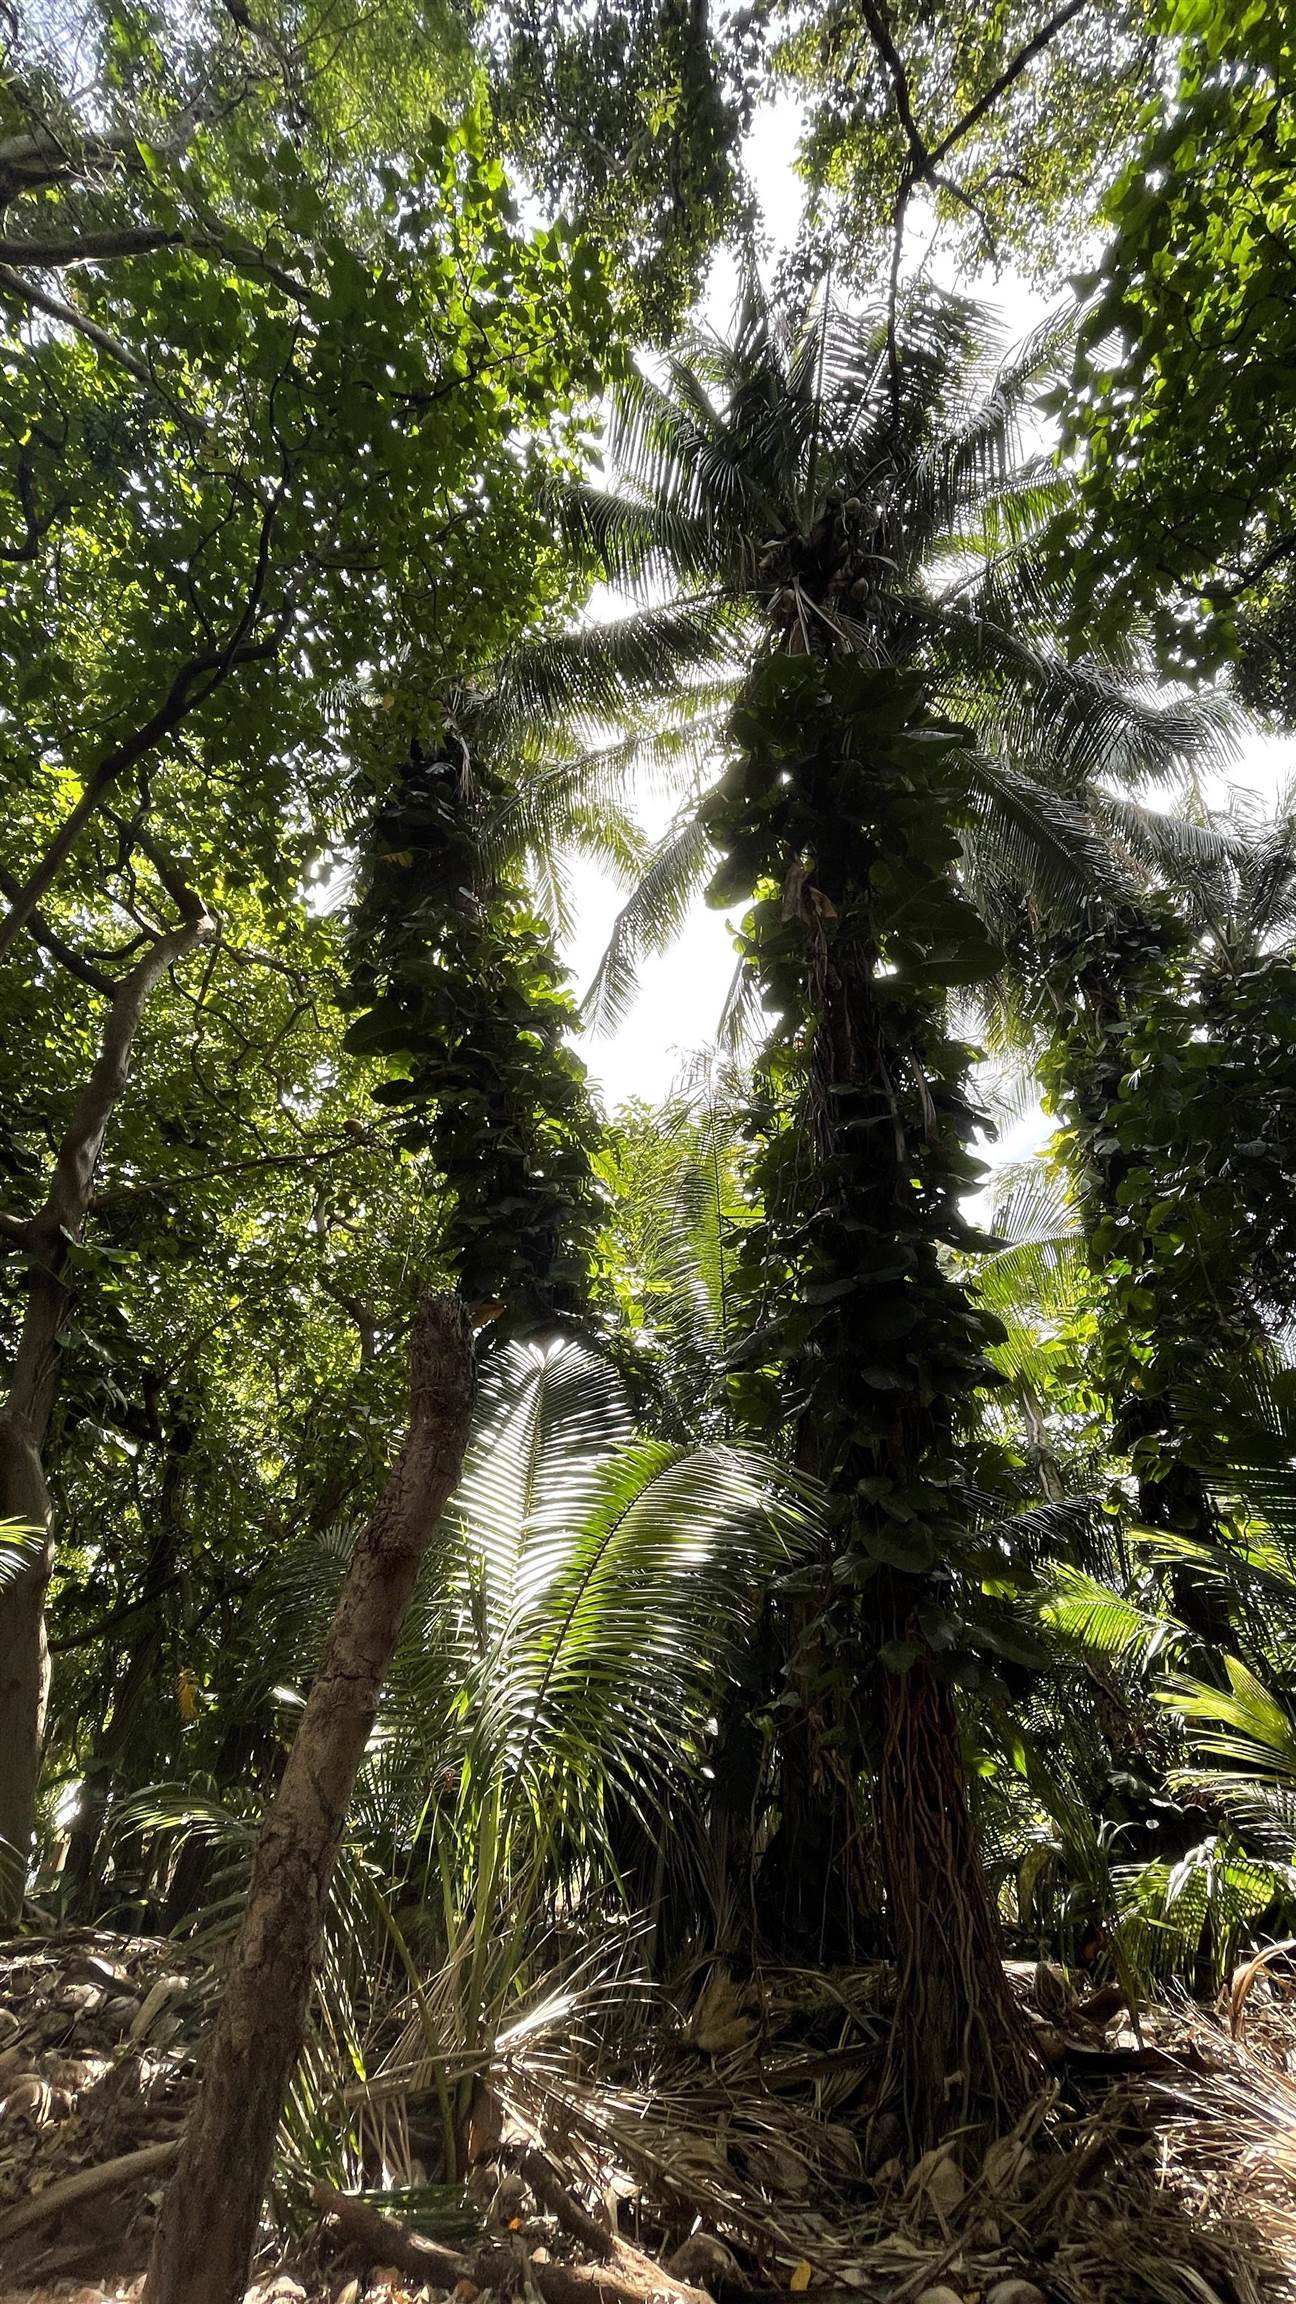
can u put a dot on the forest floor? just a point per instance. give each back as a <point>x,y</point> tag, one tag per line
<point>729,2155</point>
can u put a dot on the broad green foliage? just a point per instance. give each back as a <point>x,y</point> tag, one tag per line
<point>281,375</point>
<point>1170,1077</point>
<point>1182,417</point>
<point>277,437</point>
<point>575,1623</point>
<point>300,497</point>
<point>628,116</point>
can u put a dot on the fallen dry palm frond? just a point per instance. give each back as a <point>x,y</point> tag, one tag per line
<point>724,2115</point>
<point>1172,2182</point>
<point>1232,2136</point>
<point>1162,2173</point>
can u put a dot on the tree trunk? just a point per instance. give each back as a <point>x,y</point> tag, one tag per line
<point>203,2247</point>
<point>957,2056</point>
<point>24,1658</point>
<point>24,1422</point>
<point>119,1733</point>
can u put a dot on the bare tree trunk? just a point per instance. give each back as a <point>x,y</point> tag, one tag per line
<point>207,2229</point>
<point>119,1733</point>
<point>24,1658</point>
<point>25,1419</point>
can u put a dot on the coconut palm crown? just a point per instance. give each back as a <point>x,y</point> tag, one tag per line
<point>770,489</point>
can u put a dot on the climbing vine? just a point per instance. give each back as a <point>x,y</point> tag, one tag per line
<point>840,811</point>
<point>458,987</point>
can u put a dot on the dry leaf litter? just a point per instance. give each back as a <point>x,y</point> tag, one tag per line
<point>733,2144</point>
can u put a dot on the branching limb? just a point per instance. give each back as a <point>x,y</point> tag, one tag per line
<point>35,524</point>
<point>61,255</point>
<point>58,949</point>
<point>60,1220</point>
<point>193,683</point>
<point>13,285</point>
<point>925,160</point>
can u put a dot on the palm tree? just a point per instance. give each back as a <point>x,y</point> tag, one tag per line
<point>576,1620</point>
<point>831,571</point>
<point>768,490</point>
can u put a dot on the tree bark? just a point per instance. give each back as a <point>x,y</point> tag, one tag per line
<point>957,2055</point>
<point>24,1658</point>
<point>25,1419</point>
<point>120,1731</point>
<point>203,2247</point>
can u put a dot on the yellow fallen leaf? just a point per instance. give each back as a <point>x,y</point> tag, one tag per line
<point>801,2278</point>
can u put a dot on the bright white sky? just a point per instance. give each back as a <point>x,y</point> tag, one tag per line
<point>682,991</point>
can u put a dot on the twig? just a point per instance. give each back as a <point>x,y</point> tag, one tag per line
<point>631,2279</point>
<point>40,2206</point>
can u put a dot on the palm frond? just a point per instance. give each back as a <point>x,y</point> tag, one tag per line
<point>649,921</point>
<point>20,1545</point>
<point>1107,1622</point>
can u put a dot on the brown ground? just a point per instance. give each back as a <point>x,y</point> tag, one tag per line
<point>734,2149</point>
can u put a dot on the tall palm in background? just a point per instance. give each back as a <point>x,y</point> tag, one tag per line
<point>776,497</point>
<point>767,490</point>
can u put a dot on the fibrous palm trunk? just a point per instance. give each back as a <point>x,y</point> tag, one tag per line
<point>957,2051</point>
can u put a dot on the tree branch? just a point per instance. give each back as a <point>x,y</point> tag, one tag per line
<point>37,157</point>
<point>110,1622</point>
<point>925,160</point>
<point>884,42</point>
<point>143,240</point>
<point>12,284</point>
<point>193,683</point>
<point>59,1222</point>
<point>35,524</point>
<point>50,941</point>
<point>86,247</point>
<point>986,102</point>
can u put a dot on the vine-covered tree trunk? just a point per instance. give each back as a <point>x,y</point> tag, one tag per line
<point>205,2236</point>
<point>846,798</point>
<point>24,1423</point>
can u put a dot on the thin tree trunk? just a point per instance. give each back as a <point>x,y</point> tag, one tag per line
<point>24,1658</point>
<point>119,1732</point>
<point>25,1419</point>
<point>207,2229</point>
